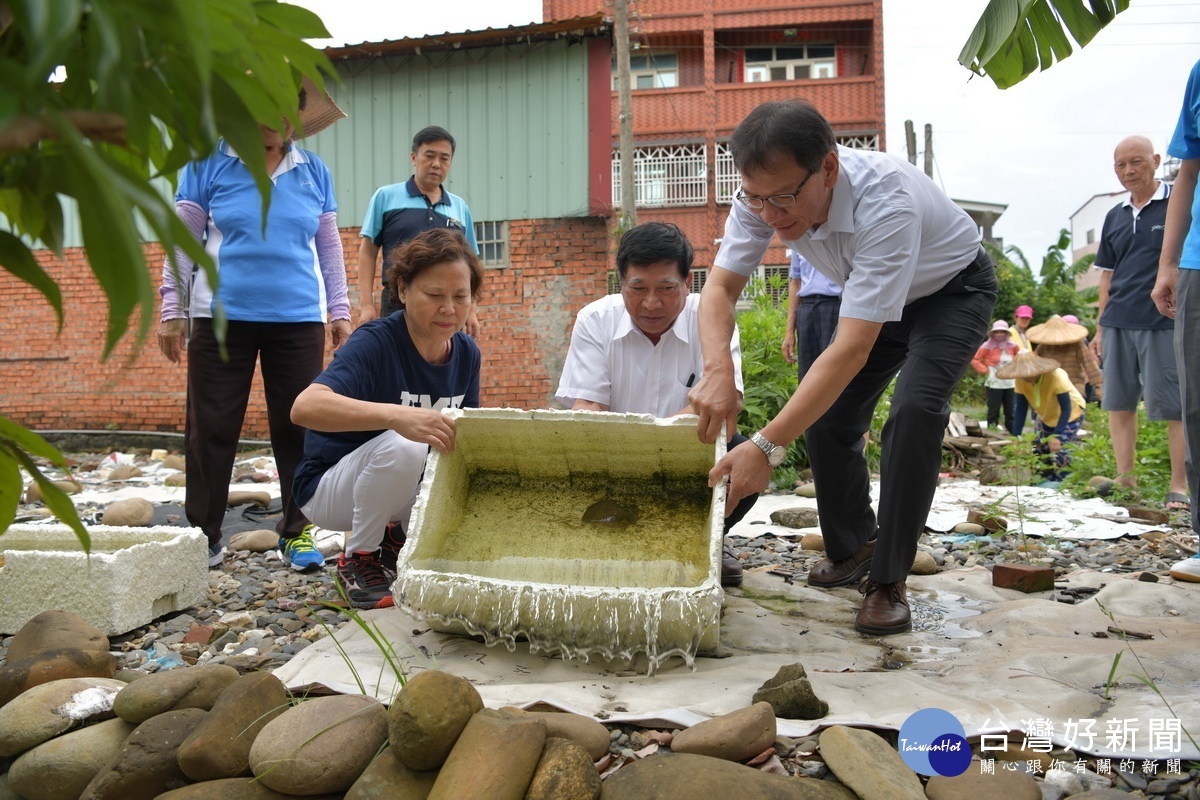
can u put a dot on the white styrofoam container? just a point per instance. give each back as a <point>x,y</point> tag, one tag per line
<point>132,575</point>
<point>541,579</point>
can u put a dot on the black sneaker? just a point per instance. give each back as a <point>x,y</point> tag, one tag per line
<point>389,549</point>
<point>366,583</point>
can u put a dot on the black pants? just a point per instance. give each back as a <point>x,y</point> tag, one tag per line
<point>931,346</point>
<point>292,355</point>
<point>1000,400</point>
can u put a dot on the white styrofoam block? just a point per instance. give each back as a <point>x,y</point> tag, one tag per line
<point>132,575</point>
<point>497,546</point>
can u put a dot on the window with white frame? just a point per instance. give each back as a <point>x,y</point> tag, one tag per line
<point>650,71</point>
<point>791,62</point>
<point>728,179</point>
<point>665,175</point>
<point>858,141</point>
<point>775,284</point>
<point>492,238</point>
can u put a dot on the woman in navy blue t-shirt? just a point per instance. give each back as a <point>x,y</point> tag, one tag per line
<point>376,410</point>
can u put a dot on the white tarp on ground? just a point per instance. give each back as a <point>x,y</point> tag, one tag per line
<point>1043,512</point>
<point>995,658</point>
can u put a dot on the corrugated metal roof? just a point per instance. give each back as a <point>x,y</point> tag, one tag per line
<point>594,25</point>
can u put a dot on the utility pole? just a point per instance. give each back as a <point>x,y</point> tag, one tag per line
<point>625,130</point>
<point>910,141</point>
<point>928,150</point>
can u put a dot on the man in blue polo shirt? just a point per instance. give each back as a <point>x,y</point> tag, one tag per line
<point>400,211</point>
<point>1135,341</point>
<point>813,305</point>
<point>1177,291</point>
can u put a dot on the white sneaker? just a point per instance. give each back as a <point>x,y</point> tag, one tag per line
<point>1187,570</point>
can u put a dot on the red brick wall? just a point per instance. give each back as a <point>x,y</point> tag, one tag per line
<point>52,381</point>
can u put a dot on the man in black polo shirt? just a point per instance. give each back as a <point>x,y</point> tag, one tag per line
<point>1135,341</point>
<point>400,211</point>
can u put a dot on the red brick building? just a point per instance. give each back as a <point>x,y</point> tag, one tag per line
<point>699,66</point>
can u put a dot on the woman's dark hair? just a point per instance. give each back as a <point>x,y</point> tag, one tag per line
<point>791,128</point>
<point>652,242</point>
<point>427,250</point>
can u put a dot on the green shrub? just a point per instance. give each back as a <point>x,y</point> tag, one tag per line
<point>768,378</point>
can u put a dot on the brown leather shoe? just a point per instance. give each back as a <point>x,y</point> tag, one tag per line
<point>828,573</point>
<point>884,610</point>
<point>731,568</point>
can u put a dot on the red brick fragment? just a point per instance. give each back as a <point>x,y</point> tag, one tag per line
<point>1023,577</point>
<point>199,634</point>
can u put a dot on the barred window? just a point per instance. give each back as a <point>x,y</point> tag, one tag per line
<point>666,175</point>
<point>492,238</point>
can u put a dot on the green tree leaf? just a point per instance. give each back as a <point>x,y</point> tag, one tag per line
<point>16,258</point>
<point>56,500</point>
<point>1015,38</point>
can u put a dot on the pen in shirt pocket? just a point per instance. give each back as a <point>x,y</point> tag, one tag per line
<point>691,379</point>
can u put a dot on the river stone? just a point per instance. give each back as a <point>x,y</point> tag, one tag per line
<point>736,736</point>
<point>146,765</point>
<point>565,772</point>
<point>870,766</point>
<point>6,790</point>
<point>798,517</point>
<point>174,461</point>
<point>584,731</point>
<point>132,512</point>
<point>33,494</point>
<point>495,757</point>
<point>55,630</point>
<point>969,529</point>
<point>790,695</point>
<point>924,564</point>
<point>123,472</point>
<point>387,779</point>
<point>806,490</point>
<point>813,541</point>
<point>219,747</point>
<point>175,479</point>
<point>238,789</point>
<point>49,710</point>
<point>194,687</point>
<point>428,715</point>
<point>257,541</point>
<point>320,745</point>
<point>61,768</point>
<point>236,499</point>
<point>53,665</point>
<point>670,777</point>
<point>973,784</point>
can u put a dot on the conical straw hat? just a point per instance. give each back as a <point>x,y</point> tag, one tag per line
<point>1026,365</point>
<point>319,110</point>
<point>1057,330</point>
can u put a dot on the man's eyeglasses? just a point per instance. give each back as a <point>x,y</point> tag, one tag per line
<point>777,200</point>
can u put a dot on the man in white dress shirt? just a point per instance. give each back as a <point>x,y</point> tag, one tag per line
<point>918,298</point>
<point>639,351</point>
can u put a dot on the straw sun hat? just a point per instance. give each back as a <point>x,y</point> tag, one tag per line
<point>1026,365</point>
<point>319,110</point>
<point>1057,330</point>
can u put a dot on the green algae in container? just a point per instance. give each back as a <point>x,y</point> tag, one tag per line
<point>589,534</point>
